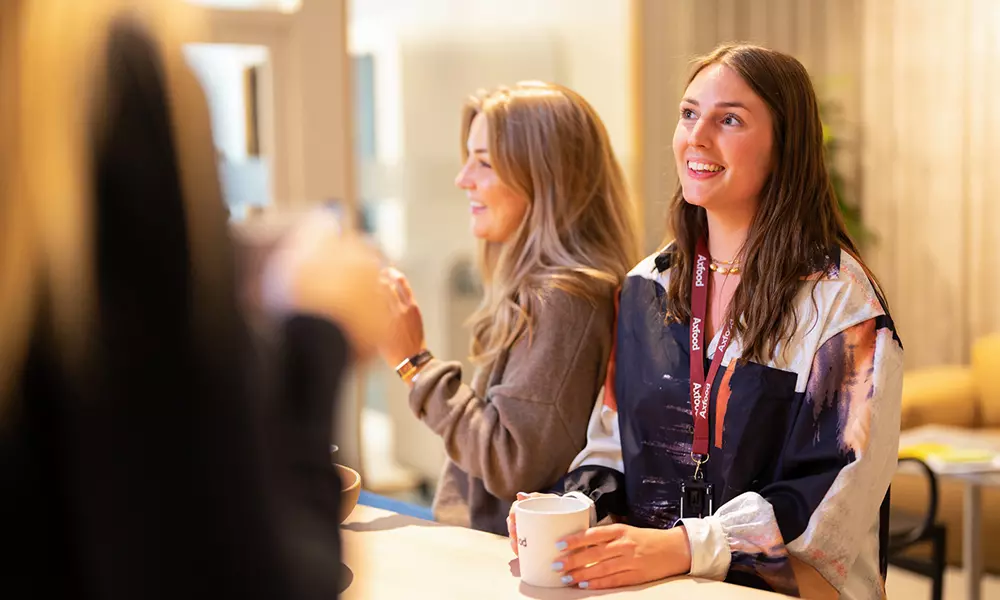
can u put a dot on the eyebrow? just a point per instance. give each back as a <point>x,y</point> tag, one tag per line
<point>718,104</point>
<point>480,151</point>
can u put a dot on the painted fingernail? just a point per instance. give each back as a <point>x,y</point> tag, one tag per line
<point>557,566</point>
<point>561,545</point>
<point>567,579</point>
<point>584,585</point>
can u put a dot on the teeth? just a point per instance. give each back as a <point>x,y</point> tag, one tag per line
<point>697,166</point>
<point>477,205</point>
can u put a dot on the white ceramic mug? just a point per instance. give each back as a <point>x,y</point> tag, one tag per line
<point>541,523</point>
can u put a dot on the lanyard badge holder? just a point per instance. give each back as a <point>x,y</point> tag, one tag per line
<point>696,499</point>
<point>696,494</point>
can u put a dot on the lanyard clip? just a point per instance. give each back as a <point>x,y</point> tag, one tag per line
<point>699,460</point>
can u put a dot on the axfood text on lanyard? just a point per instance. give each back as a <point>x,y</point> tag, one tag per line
<point>701,386</point>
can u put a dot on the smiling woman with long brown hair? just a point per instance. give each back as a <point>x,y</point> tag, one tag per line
<point>750,425</point>
<point>548,203</point>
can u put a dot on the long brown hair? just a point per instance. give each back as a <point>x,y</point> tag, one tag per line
<point>798,223</point>
<point>53,60</point>
<point>579,233</point>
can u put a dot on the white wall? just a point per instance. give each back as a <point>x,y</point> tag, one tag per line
<point>591,36</point>
<point>929,182</point>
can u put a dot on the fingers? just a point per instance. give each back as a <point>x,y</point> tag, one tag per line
<point>513,505</point>
<point>610,564</point>
<point>600,572</point>
<point>389,287</point>
<point>404,287</point>
<point>512,532</point>
<point>618,579</point>
<point>594,555</point>
<point>527,496</point>
<point>400,287</point>
<point>592,537</point>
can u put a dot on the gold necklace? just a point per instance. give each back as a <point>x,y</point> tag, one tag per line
<point>719,266</point>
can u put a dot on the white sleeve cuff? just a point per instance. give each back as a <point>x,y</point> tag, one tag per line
<point>710,553</point>
<point>586,500</point>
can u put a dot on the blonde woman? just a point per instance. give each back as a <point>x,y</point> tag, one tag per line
<point>135,459</point>
<point>548,202</point>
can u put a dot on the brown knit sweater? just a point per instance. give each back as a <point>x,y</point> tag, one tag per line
<point>521,423</point>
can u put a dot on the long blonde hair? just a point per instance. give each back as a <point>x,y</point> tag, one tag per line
<point>579,233</point>
<point>53,62</point>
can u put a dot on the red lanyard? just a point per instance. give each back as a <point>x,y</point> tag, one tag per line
<point>701,386</point>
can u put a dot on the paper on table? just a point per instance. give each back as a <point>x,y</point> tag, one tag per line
<point>947,458</point>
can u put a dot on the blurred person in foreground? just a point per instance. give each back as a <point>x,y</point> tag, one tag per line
<point>557,234</point>
<point>149,448</point>
<point>750,427</point>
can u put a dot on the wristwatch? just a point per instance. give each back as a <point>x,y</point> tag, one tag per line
<point>409,367</point>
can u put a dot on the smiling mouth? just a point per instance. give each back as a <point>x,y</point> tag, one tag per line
<point>703,167</point>
<point>476,207</point>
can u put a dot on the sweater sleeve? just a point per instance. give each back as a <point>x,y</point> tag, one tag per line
<point>524,433</point>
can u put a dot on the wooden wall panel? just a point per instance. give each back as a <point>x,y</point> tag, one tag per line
<point>983,126</point>
<point>671,33</point>
<point>930,74</point>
